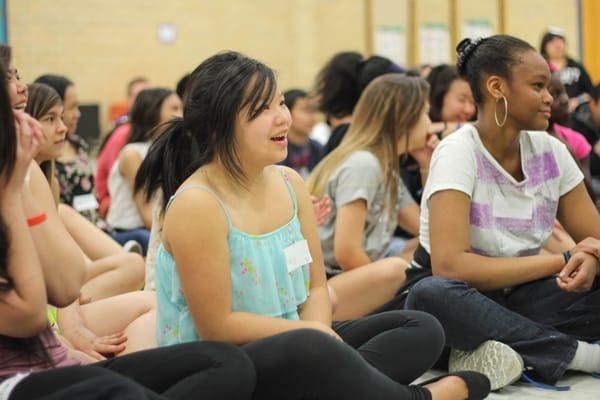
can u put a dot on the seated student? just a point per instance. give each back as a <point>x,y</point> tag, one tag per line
<point>303,152</point>
<point>580,149</point>
<point>181,86</point>
<point>112,271</point>
<point>108,153</point>
<point>134,87</point>
<point>16,89</point>
<point>559,118</point>
<point>240,260</point>
<point>586,120</point>
<point>339,86</point>
<point>451,105</point>
<point>33,364</point>
<point>129,212</point>
<point>450,97</point>
<point>490,202</point>
<point>572,74</point>
<point>74,169</point>
<point>118,317</point>
<point>113,142</point>
<point>368,198</point>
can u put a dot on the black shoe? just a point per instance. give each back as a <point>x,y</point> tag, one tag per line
<point>478,385</point>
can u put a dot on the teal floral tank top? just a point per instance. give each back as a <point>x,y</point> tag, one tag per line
<point>260,281</point>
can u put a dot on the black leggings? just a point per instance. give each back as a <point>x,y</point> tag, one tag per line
<point>383,353</point>
<point>203,370</point>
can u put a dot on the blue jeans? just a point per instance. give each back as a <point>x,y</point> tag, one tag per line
<point>538,320</point>
<point>140,235</point>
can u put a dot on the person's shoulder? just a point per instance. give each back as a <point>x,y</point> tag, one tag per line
<point>315,145</point>
<point>362,159</point>
<point>139,148</point>
<point>188,206</point>
<point>463,140</point>
<point>121,132</point>
<point>539,137</point>
<point>79,142</point>
<point>340,129</point>
<point>289,174</point>
<point>570,132</point>
<point>116,142</point>
<point>574,63</point>
<point>542,141</point>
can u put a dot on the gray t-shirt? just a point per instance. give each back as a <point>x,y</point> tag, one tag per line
<point>360,176</point>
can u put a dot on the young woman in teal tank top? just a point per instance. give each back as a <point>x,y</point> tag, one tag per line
<point>240,259</point>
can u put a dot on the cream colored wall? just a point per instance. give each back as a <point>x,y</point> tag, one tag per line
<point>426,12</point>
<point>487,10</point>
<point>529,19</point>
<point>392,13</point>
<point>101,44</point>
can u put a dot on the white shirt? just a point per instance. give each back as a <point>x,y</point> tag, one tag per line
<point>507,218</point>
<point>123,213</point>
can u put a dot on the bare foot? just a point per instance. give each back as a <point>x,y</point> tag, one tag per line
<point>449,388</point>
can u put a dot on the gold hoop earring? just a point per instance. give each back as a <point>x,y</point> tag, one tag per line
<point>500,125</point>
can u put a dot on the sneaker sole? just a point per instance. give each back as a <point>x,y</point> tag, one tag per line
<point>132,246</point>
<point>500,363</point>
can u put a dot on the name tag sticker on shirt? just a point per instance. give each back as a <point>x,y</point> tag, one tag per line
<point>519,206</point>
<point>297,255</point>
<point>85,202</point>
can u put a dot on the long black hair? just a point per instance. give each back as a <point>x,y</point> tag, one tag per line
<point>440,79</point>
<point>343,79</point>
<point>218,90</point>
<point>57,82</point>
<point>495,55</point>
<point>145,113</point>
<point>8,154</point>
<point>5,56</point>
<point>31,348</point>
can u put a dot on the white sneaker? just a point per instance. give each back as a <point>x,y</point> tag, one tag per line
<point>496,360</point>
<point>133,246</point>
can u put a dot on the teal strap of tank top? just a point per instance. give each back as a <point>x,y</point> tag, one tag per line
<point>286,179</point>
<point>205,188</point>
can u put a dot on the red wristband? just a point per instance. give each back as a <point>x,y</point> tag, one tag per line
<point>37,219</point>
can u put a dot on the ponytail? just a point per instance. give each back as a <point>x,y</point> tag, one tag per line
<point>217,92</point>
<point>171,159</point>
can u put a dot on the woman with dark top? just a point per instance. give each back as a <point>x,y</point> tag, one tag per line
<point>572,73</point>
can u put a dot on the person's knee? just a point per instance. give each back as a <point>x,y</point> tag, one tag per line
<point>393,272</point>
<point>427,327</point>
<point>235,365</point>
<point>303,347</point>
<point>134,270</point>
<point>430,291</point>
